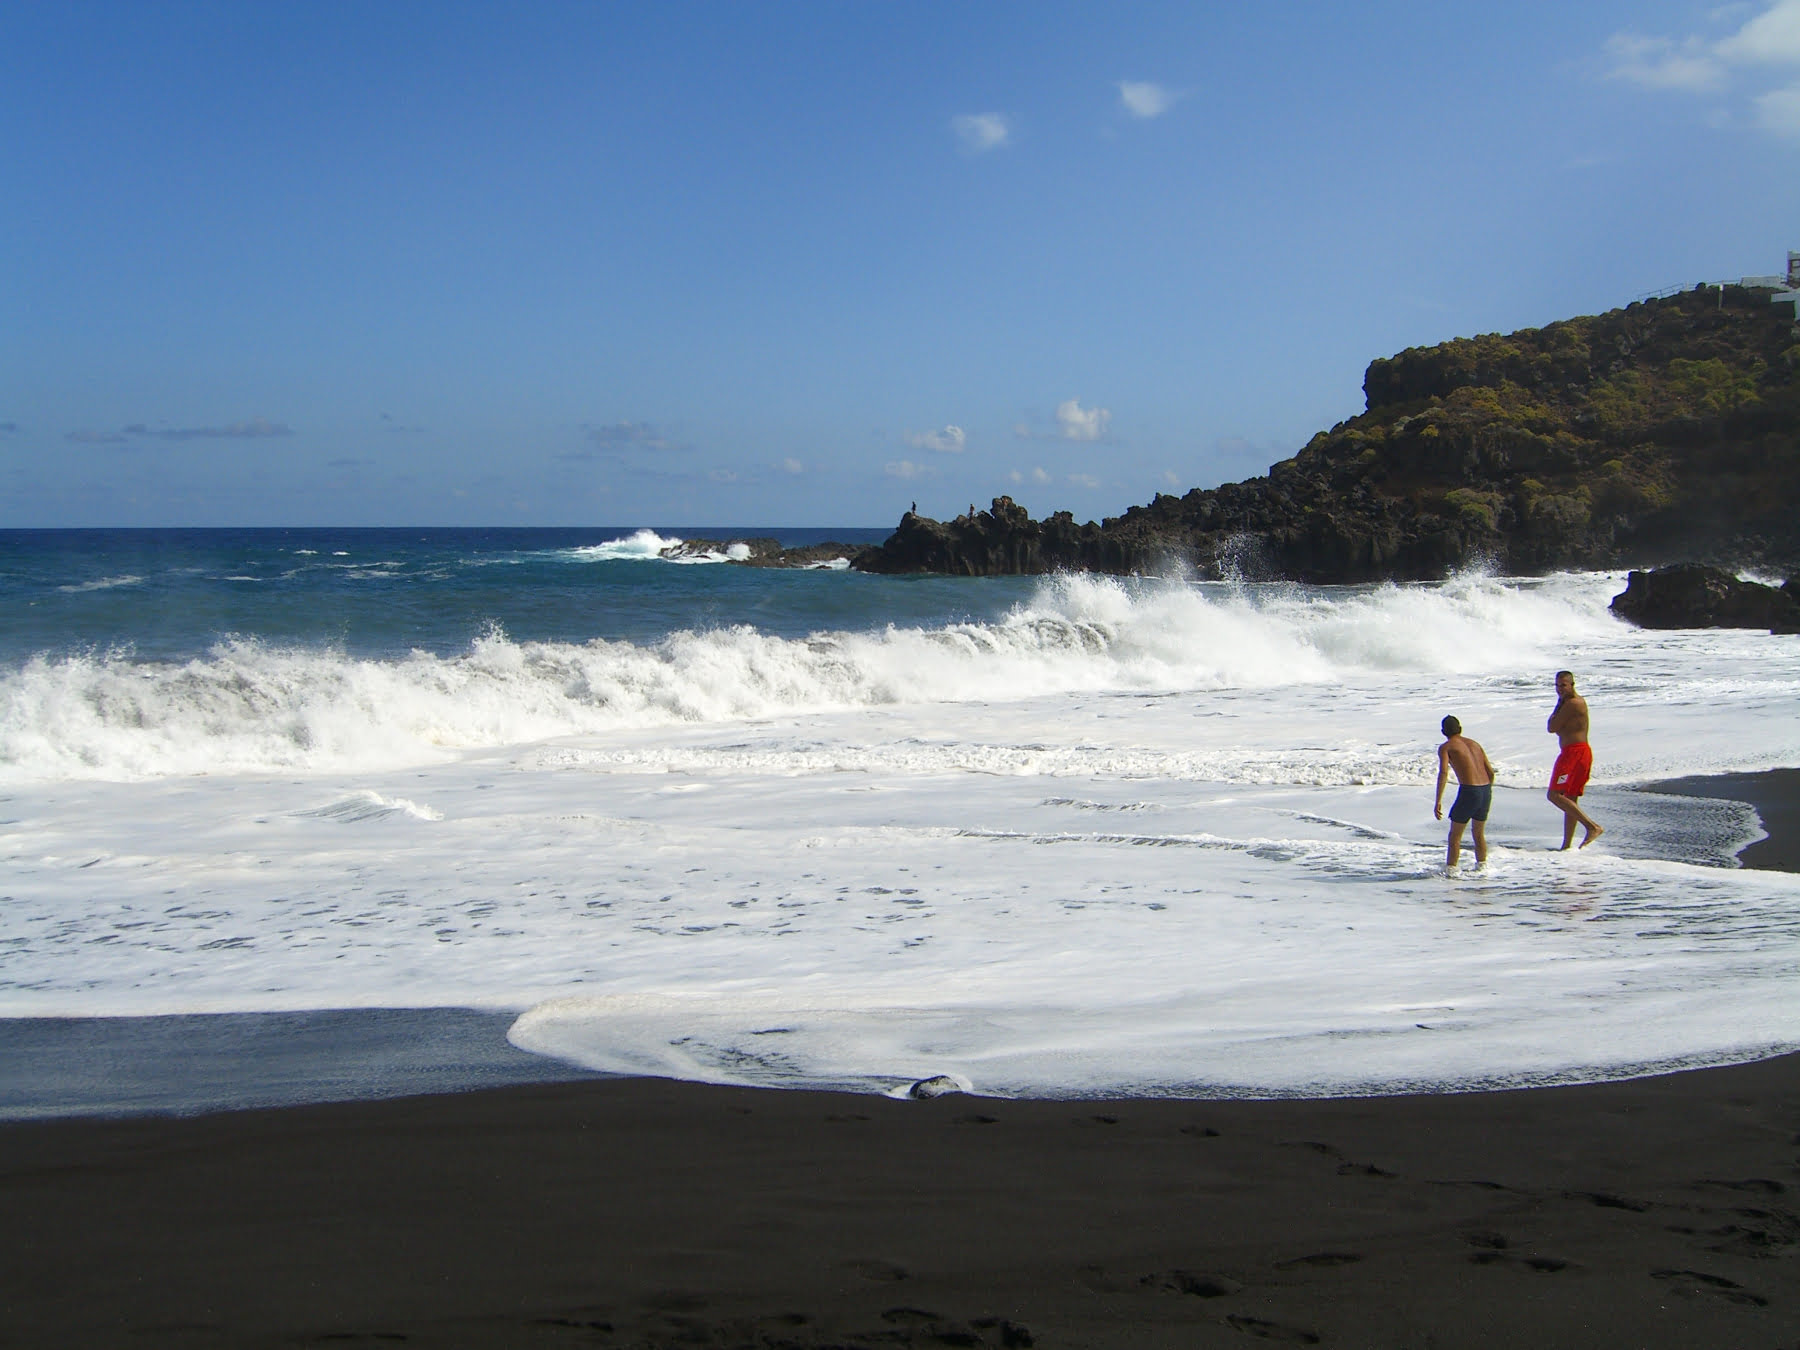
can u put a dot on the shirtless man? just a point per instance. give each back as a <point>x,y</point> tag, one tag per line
<point>1569,724</point>
<point>1474,793</point>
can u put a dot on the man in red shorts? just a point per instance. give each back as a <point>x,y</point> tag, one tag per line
<point>1569,724</point>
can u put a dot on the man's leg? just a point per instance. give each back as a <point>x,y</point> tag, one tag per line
<point>1589,824</point>
<point>1563,804</point>
<point>1455,852</point>
<point>1479,831</point>
<point>1572,815</point>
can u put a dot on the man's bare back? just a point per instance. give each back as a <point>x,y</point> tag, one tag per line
<point>1468,759</point>
<point>1473,797</point>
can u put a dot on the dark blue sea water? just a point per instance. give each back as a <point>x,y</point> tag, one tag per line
<point>170,595</point>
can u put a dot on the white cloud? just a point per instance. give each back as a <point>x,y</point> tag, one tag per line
<point>1696,65</point>
<point>1658,63</point>
<point>723,476</point>
<point>1141,98</point>
<point>905,468</point>
<point>1779,111</point>
<point>1086,480</point>
<point>1036,476</point>
<point>1082,424</point>
<point>1172,478</point>
<point>949,441</point>
<point>1772,37</point>
<point>792,465</point>
<point>981,132</point>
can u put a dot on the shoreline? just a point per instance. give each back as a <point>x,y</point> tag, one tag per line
<point>1774,793</point>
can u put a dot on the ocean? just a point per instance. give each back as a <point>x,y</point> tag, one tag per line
<point>1058,836</point>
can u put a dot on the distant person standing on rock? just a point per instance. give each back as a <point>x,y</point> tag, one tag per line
<point>1569,724</point>
<point>1474,793</point>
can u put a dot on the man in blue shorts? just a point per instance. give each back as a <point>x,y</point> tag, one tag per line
<point>1474,794</point>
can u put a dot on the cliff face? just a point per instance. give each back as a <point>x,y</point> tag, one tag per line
<point>1665,431</point>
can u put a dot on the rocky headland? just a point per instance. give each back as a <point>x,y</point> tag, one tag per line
<point>1664,432</point>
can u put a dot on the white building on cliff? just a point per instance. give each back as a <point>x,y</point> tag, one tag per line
<point>1786,288</point>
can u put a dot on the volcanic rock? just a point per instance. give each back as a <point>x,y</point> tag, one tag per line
<point>1693,596</point>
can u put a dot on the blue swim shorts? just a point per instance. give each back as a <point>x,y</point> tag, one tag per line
<point>1472,803</point>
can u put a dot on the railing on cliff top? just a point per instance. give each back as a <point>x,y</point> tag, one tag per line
<point>1784,292</point>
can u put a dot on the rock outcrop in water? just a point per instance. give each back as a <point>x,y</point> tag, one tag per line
<point>1668,431</point>
<point>1693,596</point>
<point>763,552</point>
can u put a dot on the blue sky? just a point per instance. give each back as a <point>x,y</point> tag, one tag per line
<point>804,264</point>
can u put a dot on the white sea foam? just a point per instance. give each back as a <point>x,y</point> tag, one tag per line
<point>736,551</point>
<point>643,546</point>
<point>100,584</point>
<point>1129,838</point>
<point>249,706</point>
<point>366,804</point>
<point>649,546</point>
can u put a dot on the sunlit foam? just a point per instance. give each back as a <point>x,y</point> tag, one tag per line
<point>641,546</point>
<point>250,706</point>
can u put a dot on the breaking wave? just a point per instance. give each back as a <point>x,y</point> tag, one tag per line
<point>249,706</point>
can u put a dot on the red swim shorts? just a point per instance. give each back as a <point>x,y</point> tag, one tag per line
<point>1570,775</point>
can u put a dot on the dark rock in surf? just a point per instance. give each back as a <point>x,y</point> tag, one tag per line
<point>1693,596</point>
<point>763,552</point>
<point>1005,541</point>
<point>939,1085</point>
<point>826,555</point>
<point>729,550</point>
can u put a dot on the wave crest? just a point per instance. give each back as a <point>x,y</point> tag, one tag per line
<point>249,706</point>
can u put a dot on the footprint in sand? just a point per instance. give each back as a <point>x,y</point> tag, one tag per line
<point>1196,1283</point>
<point>1272,1331</point>
<point>1320,1259</point>
<point>1692,1282</point>
<point>1605,1200</point>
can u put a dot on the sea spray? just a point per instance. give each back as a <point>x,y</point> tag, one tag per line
<point>250,706</point>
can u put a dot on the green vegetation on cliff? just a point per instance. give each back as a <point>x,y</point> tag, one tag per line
<point>1665,431</point>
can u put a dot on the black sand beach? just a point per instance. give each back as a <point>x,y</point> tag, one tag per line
<point>640,1213</point>
<point>1657,1212</point>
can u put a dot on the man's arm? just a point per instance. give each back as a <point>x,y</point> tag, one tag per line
<point>1570,718</point>
<point>1437,806</point>
<point>1487,764</point>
